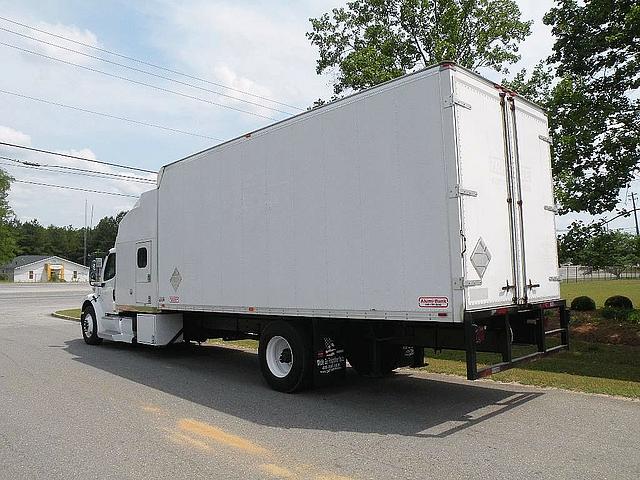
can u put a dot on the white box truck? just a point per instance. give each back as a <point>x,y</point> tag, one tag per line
<point>419,213</point>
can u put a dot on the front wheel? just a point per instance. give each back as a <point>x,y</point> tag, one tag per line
<point>285,356</point>
<point>90,326</point>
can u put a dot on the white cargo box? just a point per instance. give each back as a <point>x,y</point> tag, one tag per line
<point>420,199</point>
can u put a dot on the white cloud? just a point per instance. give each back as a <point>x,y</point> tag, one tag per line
<point>262,42</point>
<point>9,135</point>
<point>69,31</point>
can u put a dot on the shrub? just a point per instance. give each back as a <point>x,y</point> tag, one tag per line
<point>583,304</point>
<point>634,317</point>
<point>619,302</point>
<point>615,313</point>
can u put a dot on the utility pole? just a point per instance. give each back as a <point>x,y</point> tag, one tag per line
<point>635,212</point>
<point>84,262</point>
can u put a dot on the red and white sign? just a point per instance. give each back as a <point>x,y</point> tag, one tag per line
<point>174,299</point>
<point>433,302</point>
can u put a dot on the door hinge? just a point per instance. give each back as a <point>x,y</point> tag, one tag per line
<point>551,208</point>
<point>459,283</point>
<point>545,139</point>
<point>456,192</point>
<point>452,100</point>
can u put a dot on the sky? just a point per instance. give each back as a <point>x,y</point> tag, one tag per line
<point>258,48</point>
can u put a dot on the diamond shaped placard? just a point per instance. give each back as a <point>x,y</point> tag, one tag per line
<point>175,279</point>
<point>480,257</point>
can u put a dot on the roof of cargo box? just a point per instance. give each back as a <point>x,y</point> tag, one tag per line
<point>315,111</point>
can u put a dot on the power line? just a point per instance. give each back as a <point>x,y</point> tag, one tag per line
<point>75,171</point>
<point>108,115</point>
<point>66,187</point>
<point>139,70</point>
<point>143,62</point>
<point>49,152</point>
<point>13,165</point>
<point>136,82</point>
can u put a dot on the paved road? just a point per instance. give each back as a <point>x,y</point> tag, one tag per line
<point>69,410</point>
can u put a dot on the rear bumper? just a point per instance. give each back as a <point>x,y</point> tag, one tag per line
<point>498,330</point>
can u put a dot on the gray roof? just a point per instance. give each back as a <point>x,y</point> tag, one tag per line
<point>22,260</point>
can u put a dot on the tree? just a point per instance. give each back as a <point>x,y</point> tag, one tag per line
<point>589,87</point>
<point>32,238</point>
<point>372,41</point>
<point>8,245</point>
<point>103,236</point>
<point>572,245</point>
<point>613,251</point>
<point>592,246</point>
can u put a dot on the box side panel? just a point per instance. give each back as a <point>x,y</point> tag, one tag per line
<point>343,213</point>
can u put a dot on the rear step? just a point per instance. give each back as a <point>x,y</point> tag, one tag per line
<point>502,336</point>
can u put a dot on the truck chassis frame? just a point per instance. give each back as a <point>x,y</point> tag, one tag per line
<point>494,331</point>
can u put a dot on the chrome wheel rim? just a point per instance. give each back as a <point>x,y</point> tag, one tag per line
<point>87,324</point>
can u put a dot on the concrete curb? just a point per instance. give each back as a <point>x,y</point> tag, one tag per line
<point>65,317</point>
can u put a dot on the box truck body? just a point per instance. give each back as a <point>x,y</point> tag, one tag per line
<point>427,200</point>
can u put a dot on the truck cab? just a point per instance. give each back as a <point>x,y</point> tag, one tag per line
<point>124,304</point>
<point>100,318</point>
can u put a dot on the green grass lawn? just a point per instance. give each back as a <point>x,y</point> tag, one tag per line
<point>72,312</point>
<point>587,367</point>
<point>600,290</point>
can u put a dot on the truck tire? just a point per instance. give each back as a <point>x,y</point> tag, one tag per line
<point>90,326</point>
<point>284,353</point>
<point>360,357</point>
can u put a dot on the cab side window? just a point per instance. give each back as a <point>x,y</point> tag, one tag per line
<point>142,257</point>
<point>109,268</point>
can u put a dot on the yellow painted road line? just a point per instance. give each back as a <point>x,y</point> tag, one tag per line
<point>220,436</point>
<point>277,471</point>
<point>188,441</point>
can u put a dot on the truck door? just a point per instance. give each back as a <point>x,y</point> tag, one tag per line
<point>143,273</point>
<point>484,190</point>
<point>535,202</point>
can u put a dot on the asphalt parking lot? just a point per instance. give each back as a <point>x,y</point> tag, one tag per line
<point>70,410</point>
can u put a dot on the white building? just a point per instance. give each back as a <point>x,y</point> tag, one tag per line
<point>44,268</point>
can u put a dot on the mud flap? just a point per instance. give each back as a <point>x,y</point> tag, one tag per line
<point>329,359</point>
<point>412,357</point>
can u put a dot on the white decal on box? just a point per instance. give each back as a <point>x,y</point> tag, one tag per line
<point>433,302</point>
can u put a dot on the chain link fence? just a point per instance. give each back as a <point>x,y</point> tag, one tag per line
<point>582,273</point>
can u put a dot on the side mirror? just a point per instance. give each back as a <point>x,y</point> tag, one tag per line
<point>94,272</point>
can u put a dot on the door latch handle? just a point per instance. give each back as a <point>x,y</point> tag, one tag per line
<point>508,287</point>
<point>531,285</point>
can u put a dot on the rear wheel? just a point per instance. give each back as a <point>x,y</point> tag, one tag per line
<point>285,356</point>
<point>90,326</point>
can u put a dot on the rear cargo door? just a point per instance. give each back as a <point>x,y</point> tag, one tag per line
<point>535,203</point>
<point>483,189</point>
